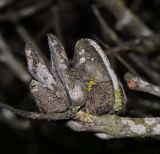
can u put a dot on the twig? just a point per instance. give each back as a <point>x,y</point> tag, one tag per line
<point>14,64</point>
<point>26,37</point>
<point>107,31</point>
<point>153,75</point>
<point>125,63</point>
<point>4,3</point>
<point>41,116</point>
<point>25,12</point>
<point>137,44</point>
<point>119,58</point>
<point>138,84</point>
<point>11,120</point>
<point>126,19</point>
<point>115,38</point>
<point>33,9</point>
<point>149,104</point>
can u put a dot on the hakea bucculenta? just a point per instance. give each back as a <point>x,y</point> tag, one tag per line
<point>89,85</point>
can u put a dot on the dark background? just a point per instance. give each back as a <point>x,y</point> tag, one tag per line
<point>70,20</point>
